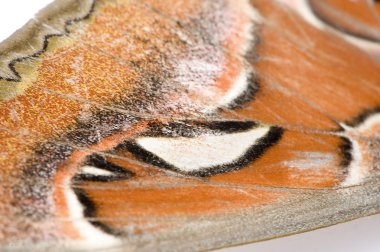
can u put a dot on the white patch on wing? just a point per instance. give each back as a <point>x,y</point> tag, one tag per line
<point>214,74</point>
<point>194,73</point>
<point>199,74</point>
<point>359,167</point>
<point>373,121</point>
<point>91,237</point>
<point>305,160</point>
<point>356,171</point>
<point>239,87</point>
<point>204,151</point>
<point>87,169</point>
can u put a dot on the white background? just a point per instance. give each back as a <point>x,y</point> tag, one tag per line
<point>15,13</point>
<point>360,235</point>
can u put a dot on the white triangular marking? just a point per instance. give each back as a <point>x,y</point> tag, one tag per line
<point>87,169</point>
<point>192,154</point>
